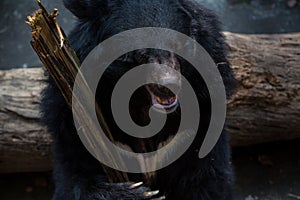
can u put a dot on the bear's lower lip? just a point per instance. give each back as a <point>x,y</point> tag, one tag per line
<point>166,104</point>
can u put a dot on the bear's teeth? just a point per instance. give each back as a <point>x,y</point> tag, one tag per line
<point>166,101</point>
<point>159,100</point>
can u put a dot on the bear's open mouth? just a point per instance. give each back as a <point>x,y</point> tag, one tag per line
<point>163,100</point>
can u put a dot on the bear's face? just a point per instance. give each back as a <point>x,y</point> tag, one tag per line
<point>165,77</point>
<point>157,96</point>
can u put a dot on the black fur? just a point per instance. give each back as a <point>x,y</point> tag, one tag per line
<point>77,174</point>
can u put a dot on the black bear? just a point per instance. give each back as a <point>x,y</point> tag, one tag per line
<point>77,174</point>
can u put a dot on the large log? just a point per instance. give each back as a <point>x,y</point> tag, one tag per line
<point>24,143</point>
<point>264,108</point>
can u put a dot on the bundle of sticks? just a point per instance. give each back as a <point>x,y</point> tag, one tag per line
<point>52,46</point>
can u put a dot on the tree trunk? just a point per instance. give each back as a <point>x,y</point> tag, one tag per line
<point>265,107</point>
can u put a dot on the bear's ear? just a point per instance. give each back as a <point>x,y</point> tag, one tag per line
<point>203,20</point>
<point>87,8</point>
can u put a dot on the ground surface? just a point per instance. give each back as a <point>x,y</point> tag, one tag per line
<point>265,172</point>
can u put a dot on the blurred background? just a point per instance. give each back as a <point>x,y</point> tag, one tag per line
<point>263,172</point>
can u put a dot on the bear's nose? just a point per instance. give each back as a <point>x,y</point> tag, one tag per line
<point>169,85</point>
